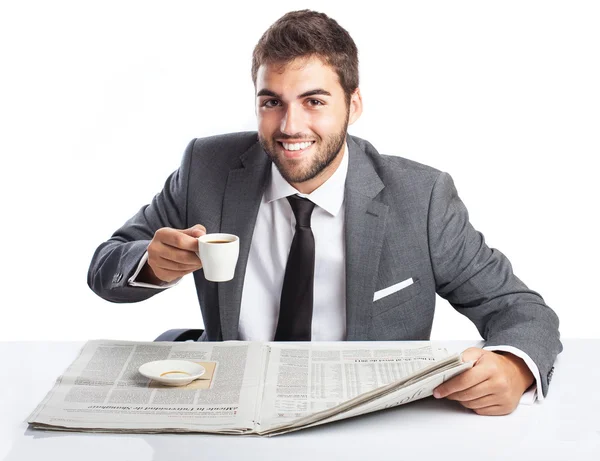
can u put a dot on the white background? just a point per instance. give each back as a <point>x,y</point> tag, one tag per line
<point>99,99</point>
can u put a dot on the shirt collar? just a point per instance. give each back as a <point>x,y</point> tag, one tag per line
<point>329,195</point>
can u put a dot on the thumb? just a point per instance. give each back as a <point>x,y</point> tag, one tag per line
<point>472,354</point>
<point>195,231</point>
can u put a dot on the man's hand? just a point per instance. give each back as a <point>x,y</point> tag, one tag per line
<point>172,253</point>
<point>493,386</point>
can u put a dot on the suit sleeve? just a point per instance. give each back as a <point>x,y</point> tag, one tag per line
<point>117,259</point>
<point>479,282</point>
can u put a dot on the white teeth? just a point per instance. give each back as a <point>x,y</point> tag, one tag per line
<point>296,146</point>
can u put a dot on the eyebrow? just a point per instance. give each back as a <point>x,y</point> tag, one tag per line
<point>318,91</point>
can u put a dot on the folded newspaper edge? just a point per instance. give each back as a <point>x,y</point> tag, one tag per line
<point>425,380</point>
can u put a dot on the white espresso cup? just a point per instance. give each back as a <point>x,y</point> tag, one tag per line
<point>219,254</point>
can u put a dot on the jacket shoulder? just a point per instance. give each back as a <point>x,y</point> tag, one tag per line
<point>394,165</point>
<point>223,148</point>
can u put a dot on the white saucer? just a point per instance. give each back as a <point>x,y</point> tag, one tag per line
<point>172,372</point>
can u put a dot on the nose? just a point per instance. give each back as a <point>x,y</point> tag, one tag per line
<point>292,121</point>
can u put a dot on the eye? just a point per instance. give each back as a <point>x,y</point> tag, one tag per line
<point>270,103</point>
<point>315,102</point>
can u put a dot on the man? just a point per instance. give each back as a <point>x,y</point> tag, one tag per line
<point>337,242</point>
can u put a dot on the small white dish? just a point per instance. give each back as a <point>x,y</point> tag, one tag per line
<point>172,372</point>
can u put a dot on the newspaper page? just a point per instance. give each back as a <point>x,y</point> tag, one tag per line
<point>102,390</point>
<point>313,384</point>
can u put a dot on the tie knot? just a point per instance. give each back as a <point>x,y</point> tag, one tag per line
<point>302,208</point>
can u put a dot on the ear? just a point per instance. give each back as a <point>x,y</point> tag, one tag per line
<point>356,106</point>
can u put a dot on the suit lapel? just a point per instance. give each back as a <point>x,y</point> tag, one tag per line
<point>365,226</point>
<point>241,201</point>
<point>364,222</point>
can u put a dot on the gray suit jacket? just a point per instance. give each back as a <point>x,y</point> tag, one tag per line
<point>403,220</point>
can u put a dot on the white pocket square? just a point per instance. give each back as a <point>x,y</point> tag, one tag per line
<point>393,289</point>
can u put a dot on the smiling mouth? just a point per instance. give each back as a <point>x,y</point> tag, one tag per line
<point>295,149</point>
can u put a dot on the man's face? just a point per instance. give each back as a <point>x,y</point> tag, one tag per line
<point>303,118</point>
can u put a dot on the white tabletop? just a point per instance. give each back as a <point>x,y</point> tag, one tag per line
<point>566,426</point>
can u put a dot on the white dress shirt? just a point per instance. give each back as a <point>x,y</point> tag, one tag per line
<point>271,242</point>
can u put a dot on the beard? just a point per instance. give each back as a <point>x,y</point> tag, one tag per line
<point>325,150</point>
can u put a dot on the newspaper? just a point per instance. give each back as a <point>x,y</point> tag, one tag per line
<point>250,387</point>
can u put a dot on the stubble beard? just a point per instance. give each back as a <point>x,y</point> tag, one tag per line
<point>321,159</point>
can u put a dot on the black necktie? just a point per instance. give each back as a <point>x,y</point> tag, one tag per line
<point>295,309</point>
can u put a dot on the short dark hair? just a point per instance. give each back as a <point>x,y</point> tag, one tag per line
<point>307,33</point>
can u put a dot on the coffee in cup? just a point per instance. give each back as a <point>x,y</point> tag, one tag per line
<point>219,254</point>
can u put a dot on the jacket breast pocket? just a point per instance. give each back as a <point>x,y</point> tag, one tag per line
<point>392,300</point>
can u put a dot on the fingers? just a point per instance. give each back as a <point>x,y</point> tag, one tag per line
<point>176,255</point>
<point>482,402</point>
<point>172,253</point>
<point>472,354</point>
<point>170,265</point>
<point>488,388</point>
<point>168,270</point>
<point>181,239</point>
<point>473,393</point>
<point>195,231</point>
<point>462,382</point>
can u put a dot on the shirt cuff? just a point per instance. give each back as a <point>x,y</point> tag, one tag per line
<point>162,286</point>
<point>535,391</point>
